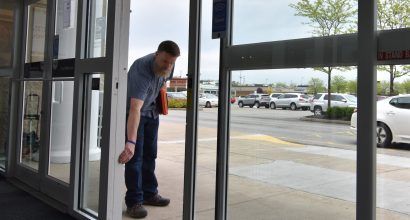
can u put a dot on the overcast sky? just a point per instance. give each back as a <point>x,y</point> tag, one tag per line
<point>153,21</point>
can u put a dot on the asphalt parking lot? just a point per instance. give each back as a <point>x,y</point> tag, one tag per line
<point>288,126</point>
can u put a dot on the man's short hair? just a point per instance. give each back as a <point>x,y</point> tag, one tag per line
<point>169,47</point>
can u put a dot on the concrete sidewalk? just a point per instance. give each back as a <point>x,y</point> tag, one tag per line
<point>273,179</point>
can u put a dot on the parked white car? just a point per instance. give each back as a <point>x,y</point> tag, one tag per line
<point>318,104</point>
<point>291,100</point>
<point>208,100</point>
<point>393,120</point>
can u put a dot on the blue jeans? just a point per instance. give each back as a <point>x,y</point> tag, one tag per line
<point>140,178</point>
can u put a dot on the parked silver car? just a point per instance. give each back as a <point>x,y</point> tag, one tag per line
<point>256,100</point>
<point>273,96</point>
<point>293,101</point>
<point>319,103</point>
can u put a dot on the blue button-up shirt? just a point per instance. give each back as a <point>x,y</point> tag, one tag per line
<point>144,84</point>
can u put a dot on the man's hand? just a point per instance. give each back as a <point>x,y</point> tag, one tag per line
<point>127,153</point>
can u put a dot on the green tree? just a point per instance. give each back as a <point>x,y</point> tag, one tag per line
<point>352,87</point>
<point>327,17</point>
<point>393,14</point>
<point>292,86</point>
<point>281,85</point>
<point>383,88</point>
<point>339,84</point>
<point>315,86</point>
<point>395,72</point>
<point>405,87</point>
<point>234,83</point>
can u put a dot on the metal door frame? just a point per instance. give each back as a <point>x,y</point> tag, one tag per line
<point>114,67</point>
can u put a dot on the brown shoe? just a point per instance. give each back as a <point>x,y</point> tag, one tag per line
<point>137,211</point>
<point>156,200</point>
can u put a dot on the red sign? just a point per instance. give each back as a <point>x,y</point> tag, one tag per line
<point>393,55</point>
<point>178,82</point>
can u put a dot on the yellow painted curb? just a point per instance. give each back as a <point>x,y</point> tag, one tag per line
<point>267,138</point>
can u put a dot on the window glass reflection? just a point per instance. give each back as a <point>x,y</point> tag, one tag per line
<point>36,31</point>
<point>31,135</point>
<point>97,28</point>
<point>93,110</point>
<point>60,130</point>
<point>65,29</point>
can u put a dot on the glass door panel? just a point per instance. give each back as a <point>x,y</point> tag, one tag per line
<point>31,135</point>
<point>62,99</point>
<point>60,130</point>
<point>207,120</point>
<point>36,31</point>
<point>292,156</point>
<point>285,162</point>
<point>91,149</point>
